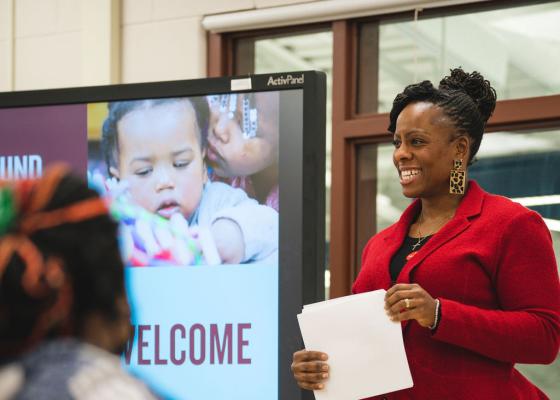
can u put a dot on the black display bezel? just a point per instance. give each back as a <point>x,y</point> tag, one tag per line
<point>301,183</point>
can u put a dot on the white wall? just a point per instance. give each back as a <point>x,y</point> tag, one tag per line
<point>64,43</point>
<point>6,41</point>
<point>46,44</point>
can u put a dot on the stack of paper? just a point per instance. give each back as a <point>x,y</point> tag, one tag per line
<point>365,348</point>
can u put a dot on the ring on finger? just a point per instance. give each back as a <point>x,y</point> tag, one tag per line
<point>407,303</point>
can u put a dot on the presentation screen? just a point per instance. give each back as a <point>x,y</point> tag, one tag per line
<point>219,199</point>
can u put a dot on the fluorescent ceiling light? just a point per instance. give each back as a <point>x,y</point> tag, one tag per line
<point>538,200</point>
<point>552,224</point>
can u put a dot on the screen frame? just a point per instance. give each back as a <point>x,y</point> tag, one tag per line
<point>301,184</point>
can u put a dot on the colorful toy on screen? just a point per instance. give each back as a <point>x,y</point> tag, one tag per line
<point>148,239</point>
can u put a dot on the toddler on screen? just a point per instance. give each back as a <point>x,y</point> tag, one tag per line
<point>157,149</point>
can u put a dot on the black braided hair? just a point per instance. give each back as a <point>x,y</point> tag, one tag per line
<point>90,254</point>
<point>118,109</point>
<point>467,99</point>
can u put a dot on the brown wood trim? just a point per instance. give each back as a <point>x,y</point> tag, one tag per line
<point>281,31</point>
<point>351,130</point>
<point>341,217</point>
<point>341,214</point>
<point>513,114</point>
<point>366,195</point>
<point>343,68</point>
<point>367,71</point>
<point>534,111</point>
<point>219,55</point>
<point>351,68</point>
<point>376,125</point>
<point>215,59</point>
<point>354,260</point>
<point>244,60</point>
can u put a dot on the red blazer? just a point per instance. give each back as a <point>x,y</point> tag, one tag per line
<point>493,268</point>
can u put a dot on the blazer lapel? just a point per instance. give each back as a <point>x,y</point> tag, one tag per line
<point>448,232</point>
<point>470,206</point>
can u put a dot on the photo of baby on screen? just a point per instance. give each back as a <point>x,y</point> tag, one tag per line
<point>156,176</point>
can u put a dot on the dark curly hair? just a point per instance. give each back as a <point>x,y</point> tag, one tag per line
<point>118,109</point>
<point>91,261</point>
<point>467,99</point>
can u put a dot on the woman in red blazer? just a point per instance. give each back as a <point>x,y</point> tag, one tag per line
<point>471,276</point>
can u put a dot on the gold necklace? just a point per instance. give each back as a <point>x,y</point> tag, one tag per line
<point>422,238</point>
<point>419,242</point>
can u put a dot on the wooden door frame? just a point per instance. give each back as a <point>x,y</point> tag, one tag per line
<point>350,130</point>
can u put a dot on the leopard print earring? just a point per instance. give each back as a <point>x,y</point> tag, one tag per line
<point>457,178</point>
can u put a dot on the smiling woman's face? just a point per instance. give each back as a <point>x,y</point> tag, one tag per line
<point>161,159</point>
<point>425,149</point>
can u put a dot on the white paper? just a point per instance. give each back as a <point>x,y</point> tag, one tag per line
<point>313,306</point>
<point>365,348</point>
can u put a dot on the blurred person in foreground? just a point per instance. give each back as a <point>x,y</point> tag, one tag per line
<point>471,276</point>
<point>64,317</point>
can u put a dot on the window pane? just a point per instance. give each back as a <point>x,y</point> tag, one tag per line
<point>517,49</point>
<point>366,186</point>
<point>390,201</point>
<point>309,51</point>
<point>521,166</point>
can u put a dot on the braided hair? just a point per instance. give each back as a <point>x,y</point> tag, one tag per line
<point>467,99</point>
<point>119,109</point>
<point>59,260</point>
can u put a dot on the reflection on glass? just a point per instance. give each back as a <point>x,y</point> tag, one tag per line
<point>366,183</point>
<point>520,55</point>
<point>303,52</point>
<point>519,165</point>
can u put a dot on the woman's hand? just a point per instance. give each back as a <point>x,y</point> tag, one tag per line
<point>419,306</point>
<point>310,369</point>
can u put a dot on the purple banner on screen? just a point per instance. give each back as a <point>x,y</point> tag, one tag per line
<point>34,137</point>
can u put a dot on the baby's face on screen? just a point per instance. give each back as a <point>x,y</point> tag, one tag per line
<point>161,159</point>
